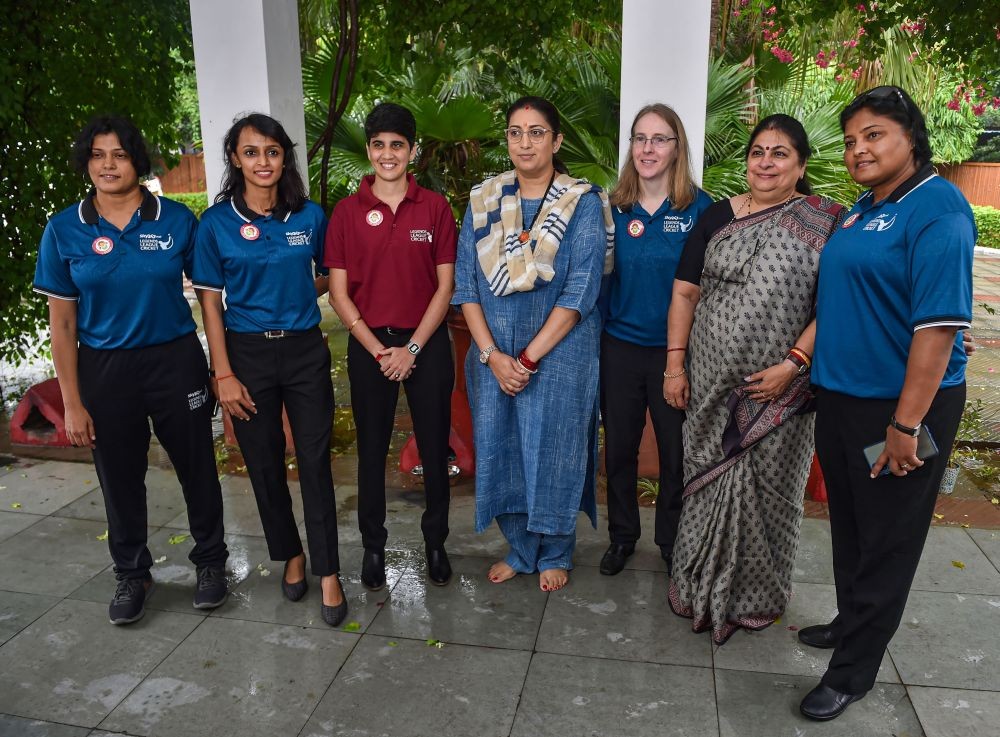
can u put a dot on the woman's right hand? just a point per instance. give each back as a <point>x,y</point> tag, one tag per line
<point>510,375</point>
<point>677,391</point>
<point>79,426</point>
<point>234,397</point>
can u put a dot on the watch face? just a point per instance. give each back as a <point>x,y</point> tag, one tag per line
<point>413,348</point>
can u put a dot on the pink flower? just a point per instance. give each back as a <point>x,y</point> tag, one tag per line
<point>782,55</point>
<point>996,102</point>
<point>979,109</point>
<point>913,56</point>
<point>861,8</point>
<point>839,78</point>
<point>856,74</point>
<point>850,44</point>
<point>861,32</point>
<point>736,14</point>
<point>744,3</point>
<point>953,104</point>
<point>771,11</point>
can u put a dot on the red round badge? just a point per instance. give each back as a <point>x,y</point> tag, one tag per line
<point>851,220</point>
<point>635,228</point>
<point>102,245</point>
<point>373,218</point>
<point>523,237</point>
<point>249,231</point>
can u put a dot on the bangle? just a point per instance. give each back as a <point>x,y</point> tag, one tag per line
<point>802,351</point>
<point>801,355</point>
<point>378,357</point>
<point>356,319</point>
<point>671,350</point>
<point>674,376</point>
<point>523,359</point>
<point>227,376</point>
<point>795,358</point>
<point>530,371</point>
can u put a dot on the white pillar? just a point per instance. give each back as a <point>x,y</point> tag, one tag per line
<point>247,59</point>
<point>665,59</point>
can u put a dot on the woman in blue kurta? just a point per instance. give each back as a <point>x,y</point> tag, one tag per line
<point>533,247</point>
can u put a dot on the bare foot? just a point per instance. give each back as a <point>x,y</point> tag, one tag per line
<point>500,572</point>
<point>295,568</point>
<point>333,594</point>
<point>553,579</point>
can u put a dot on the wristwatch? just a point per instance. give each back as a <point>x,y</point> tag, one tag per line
<point>911,431</point>
<point>413,348</point>
<point>484,355</point>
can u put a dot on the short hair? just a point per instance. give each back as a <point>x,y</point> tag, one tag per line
<point>292,192</point>
<point>796,134</point>
<point>129,137</point>
<point>388,117</point>
<point>894,103</point>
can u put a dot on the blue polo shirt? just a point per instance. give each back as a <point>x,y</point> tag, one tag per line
<point>128,284</point>
<point>265,263</point>
<point>892,268</point>
<point>647,250</point>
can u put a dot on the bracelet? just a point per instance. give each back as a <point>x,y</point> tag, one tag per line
<point>674,376</point>
<point>797,360</point>
<point>356,319</point>
<point>670,350</point>
<point>526,362</point>
<point>801,354</point>
<point>379,357</point>
<point>227,376</point>
<point>911,431</point>
<point>530,371</point>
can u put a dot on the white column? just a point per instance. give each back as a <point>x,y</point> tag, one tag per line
<point>247,59</point>
<point>665,59</point>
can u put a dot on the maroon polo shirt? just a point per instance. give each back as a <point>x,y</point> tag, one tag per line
<point>391,259</point>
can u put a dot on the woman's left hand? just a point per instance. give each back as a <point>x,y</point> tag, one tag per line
<point>900,454</point>
<point>397,363</point>
<point>772,382</point>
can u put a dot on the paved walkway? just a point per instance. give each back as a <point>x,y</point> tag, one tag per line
<point>603,657</point>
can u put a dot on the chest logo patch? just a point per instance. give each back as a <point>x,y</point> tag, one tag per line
<point>102,245</point>
<point>421,236</point>
<point>249,231</point>
<point>299,237</point>
<point>880,222</point>
<point>373,218</point>
<point>676,224</point>
<point>635,228</point>
<point>152,242</point>
<point>851,220</point>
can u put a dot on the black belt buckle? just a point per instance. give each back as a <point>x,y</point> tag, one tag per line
<point>272,334</point>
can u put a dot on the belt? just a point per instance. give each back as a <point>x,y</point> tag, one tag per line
<point>395,331</point>
<point>276,334</point>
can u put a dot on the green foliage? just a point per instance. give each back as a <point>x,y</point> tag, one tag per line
<point>196,202</point>
<point>63,63</point>
<point>988,225</point>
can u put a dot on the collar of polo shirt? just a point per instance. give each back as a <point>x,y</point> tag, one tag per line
<point>148,210</point>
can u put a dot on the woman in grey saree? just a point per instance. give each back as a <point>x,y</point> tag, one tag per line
<point>742,328</point>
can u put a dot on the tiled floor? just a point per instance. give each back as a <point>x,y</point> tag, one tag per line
<point>603,657</point>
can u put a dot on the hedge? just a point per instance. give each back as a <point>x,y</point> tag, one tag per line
<point>988,225</point>
<point>197,202</point>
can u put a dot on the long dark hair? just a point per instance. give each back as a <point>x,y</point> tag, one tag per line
<point>796,134</point>
<point>129,137</point>
<point>551,115</point>
<point>894,103</point>
<point>292,192</point>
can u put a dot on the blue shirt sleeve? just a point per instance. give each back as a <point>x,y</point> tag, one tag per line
<point>319,242</point>
<point>190,234</point>
<point>941,272</point>
<point>207,270</point>
<point>587,238</point>
<point>466,265</point>
<point>52,275</point>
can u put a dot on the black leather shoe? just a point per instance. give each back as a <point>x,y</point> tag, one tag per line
<point>824,704</point>
<point>373,570</point>
<point>614,558</point>
<point>293,591</point>
<point>438,567</point>
<point>819,635</point>
<point>334,615</point>
<point>668,557</point>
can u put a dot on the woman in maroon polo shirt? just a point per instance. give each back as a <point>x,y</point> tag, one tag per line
<point>391,252</point>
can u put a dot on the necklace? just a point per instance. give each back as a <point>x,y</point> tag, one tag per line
<point>525,234</point>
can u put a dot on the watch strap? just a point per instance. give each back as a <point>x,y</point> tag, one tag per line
<point>911,431</point>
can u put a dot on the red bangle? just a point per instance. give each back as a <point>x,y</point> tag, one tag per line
<point>800,350</point>
<point>527,362</point>
<point>671,350</point>
<point>378,357</point>
<point>227,376</point>
<point>801,355</point>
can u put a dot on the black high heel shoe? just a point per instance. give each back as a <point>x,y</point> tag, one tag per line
<point>293,591</point>
<point>334,615</point>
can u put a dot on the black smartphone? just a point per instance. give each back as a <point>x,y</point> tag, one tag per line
<point>926,448</point>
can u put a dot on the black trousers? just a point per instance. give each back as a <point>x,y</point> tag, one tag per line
<point>631,382</point>
<point>123,390</point>
<point>293,371</point>
<point>878,525</point>
<point>373,399</point>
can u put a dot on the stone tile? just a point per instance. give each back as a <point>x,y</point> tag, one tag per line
<point>12,523</point>
<point>469,610</point>
<point>17,611</point>
<point>766,705</point>
<point>46,486</point>
<point>569,696</point>
<point>88,665</point>
<point>777,649</point>
<point>949,641</point>
<point>592,543</point>
<point>937,571</point>
<point>463,538</point>
<point>266,678</point>
<point>989,542</point>
<point>53,556</point>
<point>814,562</point>
<point>406,688</point>
<point>164,501</point>
<point>11,726</point>
<point>239,506</point>
<point>175,576</point>
<point>259,598</point>
<point>402,519</point>
<point>624,617</point>
<point>946,712</point>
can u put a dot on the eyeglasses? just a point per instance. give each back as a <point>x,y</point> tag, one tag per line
<point>640,141</point>
<point>885,92</point>
<point>535,135</point>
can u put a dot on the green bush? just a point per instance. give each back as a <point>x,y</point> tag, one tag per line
<point>988,225</point>
<point>197,202</point>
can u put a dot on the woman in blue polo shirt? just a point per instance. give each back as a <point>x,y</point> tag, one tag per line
<point>895,288</point>
<point>126,352</point>
<point>655,206</point>
<point>261,243</point>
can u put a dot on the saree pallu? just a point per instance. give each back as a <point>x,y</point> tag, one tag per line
<point>739,528</point>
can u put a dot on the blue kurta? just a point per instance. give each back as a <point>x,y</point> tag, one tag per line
<point>536,452</point>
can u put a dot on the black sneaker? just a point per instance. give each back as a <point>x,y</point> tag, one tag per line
<point>211,590</point>
<point>129,602</point>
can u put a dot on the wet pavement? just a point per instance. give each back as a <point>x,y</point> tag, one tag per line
<point>602,657</point>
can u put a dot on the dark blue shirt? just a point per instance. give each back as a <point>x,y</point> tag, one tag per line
<point>128,284</point>
<point>639,289</point>
<point>265,263</point>
<point>892,268</point>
